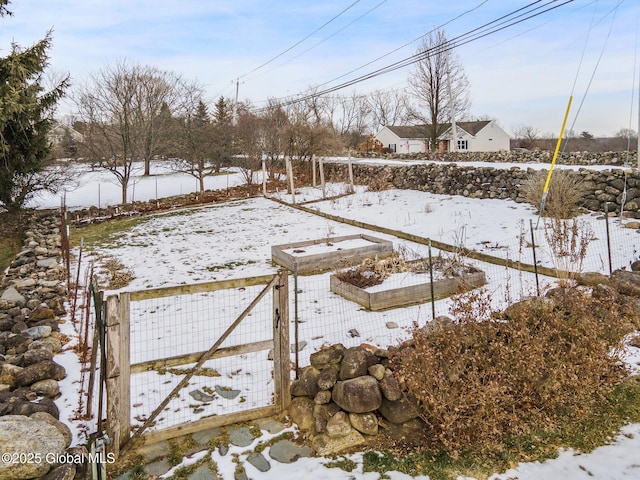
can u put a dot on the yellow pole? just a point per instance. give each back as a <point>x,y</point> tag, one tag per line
<point>555,153</point>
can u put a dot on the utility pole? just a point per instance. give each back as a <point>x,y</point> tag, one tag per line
<point>235,103</point>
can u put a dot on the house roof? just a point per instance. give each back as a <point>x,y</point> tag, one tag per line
<point>420,131</point>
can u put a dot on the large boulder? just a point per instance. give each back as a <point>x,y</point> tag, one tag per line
<point>354,363</point>
<point>301,412</point>
<point>40,371</point>
<point>358,395</point>
<point>307,383</point>
<point>627,283</point>
<point>33,440</point>
<point>398,411</point>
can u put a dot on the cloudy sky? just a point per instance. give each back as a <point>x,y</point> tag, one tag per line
<point>520,75</point>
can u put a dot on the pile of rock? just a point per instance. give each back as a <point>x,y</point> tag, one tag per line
<point>344,395</point>
<point>32,300</point>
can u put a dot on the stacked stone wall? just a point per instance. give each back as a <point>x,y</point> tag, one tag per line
<point>601,186</point>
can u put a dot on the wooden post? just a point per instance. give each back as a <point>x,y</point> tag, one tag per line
<point>313,171</point>
<point>290,175</point>
<point>281,357</point>
<point>351,189</point>
<point>117,371</point>
<point>264,178</point>
<point>324,190</point>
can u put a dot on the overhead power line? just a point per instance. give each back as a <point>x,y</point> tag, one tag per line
<point>501,23</point>
<point>300,41</point>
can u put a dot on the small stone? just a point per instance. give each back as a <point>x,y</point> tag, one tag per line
<point>241,436</point>
<point>366,423</point>
<point>392,325</point>
<point>338,425</point>
<point>322,397</point>
<point>200,396</point>
<point>377,371</point>
<point>226,392</point>
<point>12,295</point>
<point>47,262</point>
<point>301,345</point>
<point>259,462</point>
<point>285,451</point>
<point>37,333</point>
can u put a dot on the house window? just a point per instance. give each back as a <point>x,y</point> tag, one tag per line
<point>462,145</point>
<point>392,147</point>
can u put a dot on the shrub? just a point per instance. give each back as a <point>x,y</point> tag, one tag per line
<point>566,191</point>
<point>490,376</point>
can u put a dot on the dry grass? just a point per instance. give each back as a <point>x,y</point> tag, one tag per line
<point>492,376</point>
<point>566,191</point>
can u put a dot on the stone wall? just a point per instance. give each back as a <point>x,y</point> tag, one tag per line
<point>32,305</point>
<point>601,186</point>
<point>533,156</point>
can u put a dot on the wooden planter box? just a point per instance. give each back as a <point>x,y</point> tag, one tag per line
<point>408,295</point>
<point>333,256</point>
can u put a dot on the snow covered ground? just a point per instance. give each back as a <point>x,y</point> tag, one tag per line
<point>233,240</point>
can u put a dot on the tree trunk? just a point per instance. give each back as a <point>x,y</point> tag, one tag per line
<point>124,192</point>
<point>147,167</point>
<point>201,178</point>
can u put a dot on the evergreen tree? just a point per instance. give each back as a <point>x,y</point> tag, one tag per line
<point>222,133</point>
<point>25,120</point>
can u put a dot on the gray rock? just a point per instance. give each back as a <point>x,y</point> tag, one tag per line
<point>285,451</point>
<point>391,325</point>
<point>627,283</point>
<point>358,395</point>
<point>259,462</point>
<point>204,436</point>
<point>338,425</point>
<point>241,436</point>
<point>272,426</point>
<point>301,345</point>
<point>12,295</point>
<point>157,468</point>
<point>240,474</point>
<point>202,473</point>
<point>354,363</point>
<point>27,408</point>
<point>200,396</point>
<point>227,393</point>
<point>366,423</point>
<point>61,427</point>
<point>23,435</point>
<point>47,262</point>
<point>223,449</point>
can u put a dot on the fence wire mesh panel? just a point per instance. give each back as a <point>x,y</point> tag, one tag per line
<point>169,334</point>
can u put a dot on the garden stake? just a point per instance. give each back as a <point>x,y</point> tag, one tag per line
<point>295,311</point>
<point>433,299</point>
<point>535,261</point>
<point>606,221</point>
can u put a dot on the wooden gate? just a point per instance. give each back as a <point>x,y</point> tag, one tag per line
<point>119,346</point>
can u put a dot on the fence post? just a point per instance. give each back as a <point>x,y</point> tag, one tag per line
<point>264,177</point>
<point>606,221</point>
<point>351,187</point>
<point>290,175</point>
<point>295,315</point>
<point>324,189</point>
<point>117,371</point>
<point>431,286</point>
<point>281,355</point>
<point>313,170</point>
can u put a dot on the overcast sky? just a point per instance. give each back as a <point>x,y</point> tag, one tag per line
<point>522,75</point>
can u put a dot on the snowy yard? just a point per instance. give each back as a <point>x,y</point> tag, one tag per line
<point>233,240</point>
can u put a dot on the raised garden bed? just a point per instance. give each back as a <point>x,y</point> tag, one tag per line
<point>406,288</point>
<point>314,256</point>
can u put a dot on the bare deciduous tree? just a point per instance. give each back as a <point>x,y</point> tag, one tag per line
<point>429,83</point>
<point>388,108</point>
<point>526,135</point>
<point>125,109</point>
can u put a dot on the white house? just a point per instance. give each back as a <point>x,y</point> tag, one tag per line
<point>479,136</point>
<point>58,132</point>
